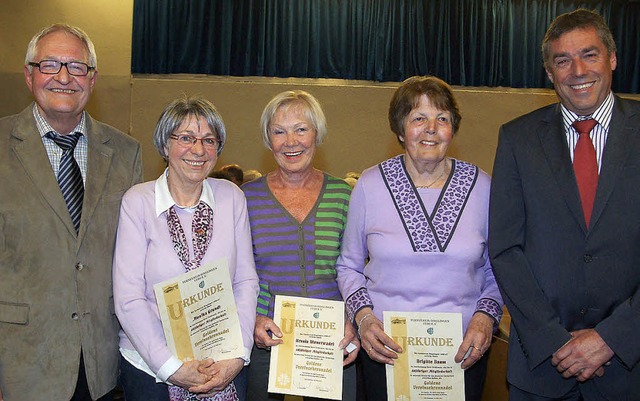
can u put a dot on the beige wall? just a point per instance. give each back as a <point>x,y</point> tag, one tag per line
<point>359,134</point>
<point>109,25</point>
<point>356,110</point>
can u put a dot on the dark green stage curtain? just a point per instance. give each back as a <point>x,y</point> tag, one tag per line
<point>464,42</point>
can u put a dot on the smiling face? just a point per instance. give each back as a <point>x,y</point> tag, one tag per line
<point>581,70</point>
<point>292,139</point>
<point>190,165</point>
<point>60,97</point>
<point>427,133</point>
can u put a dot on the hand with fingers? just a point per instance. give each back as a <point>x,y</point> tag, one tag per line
<point>221,374</point>
<point>376,343</point>
<point>476,341</point>
<point>264,326</point>
<point>350,337</point>
<point>189,375</point>
<point>583,357</point>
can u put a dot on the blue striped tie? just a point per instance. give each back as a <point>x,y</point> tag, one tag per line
<point>69,175</point>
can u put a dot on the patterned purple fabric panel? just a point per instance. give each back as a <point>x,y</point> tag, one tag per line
<point>358,300</point>
<point>451,205</point>
<point>426,233</point>
<point>490,307</point>
<point>179,394</point>
<point>408,205</point>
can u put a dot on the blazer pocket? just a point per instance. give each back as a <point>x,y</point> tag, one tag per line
<point>14,313</point>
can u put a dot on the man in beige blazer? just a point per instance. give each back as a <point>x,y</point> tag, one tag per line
<point>58,330</point>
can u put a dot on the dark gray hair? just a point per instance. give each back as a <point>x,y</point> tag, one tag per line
<point>32,48</point>
<point>578,19</point>
<point>312,111</point>
<point>181,109</point>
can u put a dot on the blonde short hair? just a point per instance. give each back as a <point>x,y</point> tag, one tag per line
<point>312,111</point>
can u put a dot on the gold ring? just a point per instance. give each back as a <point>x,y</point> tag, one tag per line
<point>476,348</point>
<point>370,349</point>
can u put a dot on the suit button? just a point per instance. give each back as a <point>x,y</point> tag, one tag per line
<point>588,258</point>
<point>74,316</point>
<point>79,266</point>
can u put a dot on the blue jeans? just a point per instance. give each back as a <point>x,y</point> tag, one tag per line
<point>139,386</point>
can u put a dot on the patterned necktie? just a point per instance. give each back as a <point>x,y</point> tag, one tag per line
<point>69,175</point>
<point>585,166</point>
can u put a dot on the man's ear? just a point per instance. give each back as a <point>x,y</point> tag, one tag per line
<point>549,74</point>
<point>28,78</point>
<point>613,59</point>
<point>94,77</point>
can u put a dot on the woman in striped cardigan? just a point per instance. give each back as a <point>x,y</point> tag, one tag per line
<point>297,215</point>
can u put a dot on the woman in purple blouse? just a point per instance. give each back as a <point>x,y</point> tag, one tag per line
<point>179,222</point>
<point>416,238</point>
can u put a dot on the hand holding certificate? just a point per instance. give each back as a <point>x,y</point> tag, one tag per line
<point>199,315</point>
<point>426,369</point>
<point>309,361</point>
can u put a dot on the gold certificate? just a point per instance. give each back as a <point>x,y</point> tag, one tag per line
<point>308,362</point>
<point>199,315</point>
<point>426,369</point>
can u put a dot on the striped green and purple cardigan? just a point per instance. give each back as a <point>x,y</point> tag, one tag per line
<point>297,258</point>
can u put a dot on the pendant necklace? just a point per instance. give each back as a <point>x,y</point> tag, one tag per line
<point>434,181</point>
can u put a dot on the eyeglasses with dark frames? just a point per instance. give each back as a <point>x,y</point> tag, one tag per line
<point>188,141</point>
<point>51,67</point>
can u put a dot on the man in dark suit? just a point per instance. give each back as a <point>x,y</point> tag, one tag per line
<point>564,233</point>
<point>58,330</point>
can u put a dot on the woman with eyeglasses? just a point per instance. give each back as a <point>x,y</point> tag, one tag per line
<point>179,222</point>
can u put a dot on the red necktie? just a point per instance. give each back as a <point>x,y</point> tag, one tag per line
<point>585,166</point>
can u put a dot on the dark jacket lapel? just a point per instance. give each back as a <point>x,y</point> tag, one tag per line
<point>554,144</point>
<point>615,155</point>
